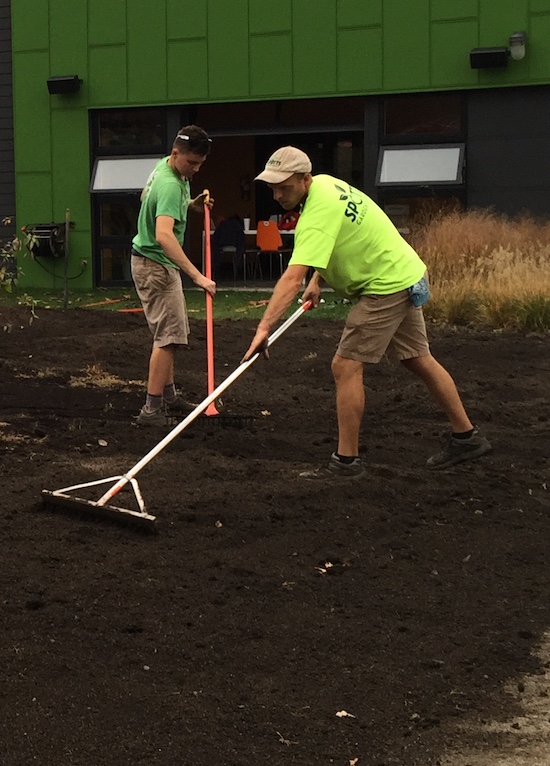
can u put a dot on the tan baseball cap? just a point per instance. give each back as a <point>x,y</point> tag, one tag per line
<point>283,163</point>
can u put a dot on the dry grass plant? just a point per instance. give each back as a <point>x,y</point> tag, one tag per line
<point>95,375</point>
<point>487,269</point>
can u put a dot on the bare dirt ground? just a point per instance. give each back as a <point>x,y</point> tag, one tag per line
<point>403,620</point>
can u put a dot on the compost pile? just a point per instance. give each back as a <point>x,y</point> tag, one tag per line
<point>394,621</point>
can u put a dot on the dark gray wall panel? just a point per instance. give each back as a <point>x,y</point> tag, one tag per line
<point>508,150</point>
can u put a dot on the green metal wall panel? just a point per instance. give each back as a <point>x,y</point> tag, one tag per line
<point>26,36</point>
<point>107,22</point>
<point>273,16</point>
<point>538,49</point>
<point>351,13</point>
<point>187,70</point>
<point>271,65</point>
<point>34,200</point>
<point>146,52</point>
<point>443,10</point>
<point>31,111</point>
<point>497,21</point>
<point>71,165</point>
<point>228,59</point>
<point>359,60</point>
<point>539,6</point>
<point>107,75</point>
<point>451,43</point>
<point>314,46</point>
<point>185,19</point>
<point>406,44</point>
<point>68,21</point>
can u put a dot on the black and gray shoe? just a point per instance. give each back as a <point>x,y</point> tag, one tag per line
<point>151,417</point>
<point>179,406</point>
<point>456,451</point>
<point>335,470</point>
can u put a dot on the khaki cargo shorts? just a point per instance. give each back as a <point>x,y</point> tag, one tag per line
<point>380,324</point>
<point>161,294</point>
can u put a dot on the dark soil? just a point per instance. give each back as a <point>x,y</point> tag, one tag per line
<point>265,605</point>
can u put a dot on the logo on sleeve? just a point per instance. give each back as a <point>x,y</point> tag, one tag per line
<point>343,195</point>
<point>356,207</point>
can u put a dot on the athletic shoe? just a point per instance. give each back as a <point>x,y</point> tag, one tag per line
<point>335,469</point>
<point>151,417</point>
<point>459,450</point>
<point>179,406</point>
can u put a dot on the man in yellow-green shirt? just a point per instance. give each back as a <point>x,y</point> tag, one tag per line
<point>353,246</point>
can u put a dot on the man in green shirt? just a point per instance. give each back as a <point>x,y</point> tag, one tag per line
<point>353,246</point>
<point>158,256</point>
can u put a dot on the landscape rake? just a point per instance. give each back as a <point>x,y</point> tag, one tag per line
<point>102,508</point>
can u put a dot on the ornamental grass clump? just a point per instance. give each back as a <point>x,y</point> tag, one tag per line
<point>487,269</point>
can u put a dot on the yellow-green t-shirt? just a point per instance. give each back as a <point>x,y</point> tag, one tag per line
<point>165,193</point>
<point>351,242</point>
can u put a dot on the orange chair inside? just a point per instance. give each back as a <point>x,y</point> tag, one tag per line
<point>268,236</point>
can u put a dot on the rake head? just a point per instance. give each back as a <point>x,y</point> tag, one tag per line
<point>124,516</point>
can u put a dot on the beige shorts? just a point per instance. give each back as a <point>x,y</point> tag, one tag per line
<point>161,294</point>
<point>380,324</point>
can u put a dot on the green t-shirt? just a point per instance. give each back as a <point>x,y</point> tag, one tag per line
<point>351,242</point>
<point>165,193</point>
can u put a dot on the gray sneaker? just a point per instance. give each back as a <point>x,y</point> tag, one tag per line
<point>179,406</point>
<point>335,469</point>
<point>151,417</point>
<point>459,450</point>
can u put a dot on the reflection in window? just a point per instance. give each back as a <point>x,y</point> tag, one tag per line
<point>438,114</point>
<point>251,116</point>
<point>131,127</point>
<point>118,218</point>
<point>115,264</point>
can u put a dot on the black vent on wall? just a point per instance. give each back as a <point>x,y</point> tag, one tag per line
<point>66,84</point>
<point>489,58</point>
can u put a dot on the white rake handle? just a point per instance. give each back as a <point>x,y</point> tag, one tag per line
<point>199,408</point>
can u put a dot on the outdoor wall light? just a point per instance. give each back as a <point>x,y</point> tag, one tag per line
<point>66,84</point>
<point>493,58</point>
<point>517,45</point>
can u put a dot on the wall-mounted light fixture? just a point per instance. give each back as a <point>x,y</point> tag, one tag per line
<point>66,84</point>
<point>517,45</point>
<point>494,58</point>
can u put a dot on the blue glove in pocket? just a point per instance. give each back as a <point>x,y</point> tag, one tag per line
<point>419,293</point>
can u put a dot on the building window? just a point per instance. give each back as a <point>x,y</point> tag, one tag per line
<point>421,158</point>
<point>122,128</point>
<point>127,144</point>
<point>437,115</point>
<point>121,174</point>
<point>414,165</point>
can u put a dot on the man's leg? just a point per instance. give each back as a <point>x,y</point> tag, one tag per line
<point>161,369</point>
<point>442,388</point>
<point>464,442</point>
<point>350,403</point>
